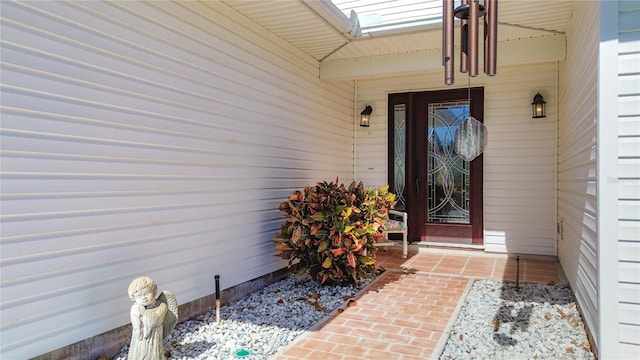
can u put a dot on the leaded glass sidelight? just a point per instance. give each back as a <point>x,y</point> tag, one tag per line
<point>399,146</point>
<point>448,174</point>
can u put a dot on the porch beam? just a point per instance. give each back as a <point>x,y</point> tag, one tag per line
<point>534,50</point>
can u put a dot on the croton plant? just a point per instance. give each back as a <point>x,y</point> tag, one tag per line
<point>331,230</point>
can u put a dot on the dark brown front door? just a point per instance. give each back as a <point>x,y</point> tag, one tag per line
<point>441,191</point>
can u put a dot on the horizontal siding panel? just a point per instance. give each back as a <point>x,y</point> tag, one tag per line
<point>628,18</point>
<point>629,168</point>
<point>629,148</point>
<point>629,250</point>
<point>629,293</point>
<point>627,43</point>
<point>629,210</point>
<point>583,197</point>
<point>629,177</point>
<point>148,139</point>
<point>628,189</point>
<point>629,351</point>
<point>629,85</point>
<point>220,51</point>
<point>194,113</point>
<point>629,272</point>
<point>629,313</point>
<point>628,335</point>
<point>582,288</point>
<point>629,230</point>
<point>628,105</point>
<point>625,6</point>
<point>577,161</point>
<point>629,127</point>
<point>628,64</point>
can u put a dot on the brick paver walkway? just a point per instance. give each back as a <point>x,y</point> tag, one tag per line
<point>406,313</point>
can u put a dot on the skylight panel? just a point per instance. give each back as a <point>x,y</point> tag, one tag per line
<point>377,16</point>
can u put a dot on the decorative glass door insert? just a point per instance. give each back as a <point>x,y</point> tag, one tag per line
<point>399,143</point>
<point>448,175</point>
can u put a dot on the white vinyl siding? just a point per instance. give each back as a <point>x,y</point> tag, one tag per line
<point>577,163</point>
<point>148,138</point>
<point>629,177</point>
<point>519,161</point>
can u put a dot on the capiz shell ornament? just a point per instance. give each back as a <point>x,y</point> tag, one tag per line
<point>471,139</point>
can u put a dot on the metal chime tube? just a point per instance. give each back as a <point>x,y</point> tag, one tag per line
<point>486,38</point>
<point>469,14</point>
<point>444,31</point>
<point>464,42</point>
<point>447,39</point>
<point>474,11</point>
<point>491,37</point>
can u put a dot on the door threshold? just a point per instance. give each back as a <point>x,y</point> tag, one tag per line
<point>451,246</point>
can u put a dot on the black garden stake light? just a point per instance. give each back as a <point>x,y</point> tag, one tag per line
<point>518,273</point>
<point>365,116</point>
<point>217,279</point>
<point>538,107</point>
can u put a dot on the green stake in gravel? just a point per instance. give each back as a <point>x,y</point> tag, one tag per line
<point>242,353</point>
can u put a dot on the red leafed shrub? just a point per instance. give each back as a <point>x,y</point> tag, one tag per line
<point>332,229</point>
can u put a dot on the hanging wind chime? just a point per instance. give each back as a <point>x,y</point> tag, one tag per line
<point>469,12</point>
<point>471,135</point>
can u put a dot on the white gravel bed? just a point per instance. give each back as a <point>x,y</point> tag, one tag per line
<point>538,321</point>
<point>260,324</point>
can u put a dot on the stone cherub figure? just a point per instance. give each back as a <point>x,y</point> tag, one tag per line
<point>152,319</point>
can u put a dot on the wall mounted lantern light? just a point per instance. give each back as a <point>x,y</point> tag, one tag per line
<point>538,107</point>
<point>365,116</point>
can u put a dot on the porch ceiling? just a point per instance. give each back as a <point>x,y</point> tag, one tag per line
<point>322,30</point>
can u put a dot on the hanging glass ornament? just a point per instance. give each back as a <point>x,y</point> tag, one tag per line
<point>471,139</point>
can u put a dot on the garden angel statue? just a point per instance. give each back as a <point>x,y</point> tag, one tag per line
<point>152,319</point>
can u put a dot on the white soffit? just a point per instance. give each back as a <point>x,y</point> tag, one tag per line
<point>324,30</point>
<point>297,23</point>
<point>517,20</point>
<point>420,41</point>
<point>379,16</point>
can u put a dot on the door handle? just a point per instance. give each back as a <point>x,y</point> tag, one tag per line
<point>418,176</point>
